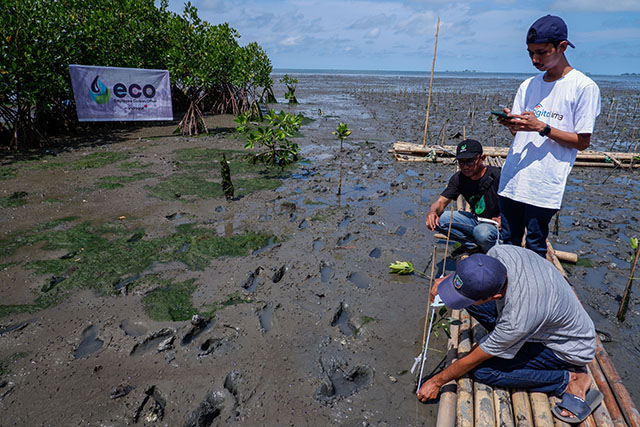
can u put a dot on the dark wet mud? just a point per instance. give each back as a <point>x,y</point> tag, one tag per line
<point>305,328</point>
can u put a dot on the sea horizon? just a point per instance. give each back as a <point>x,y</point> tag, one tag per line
<point>451,73</point>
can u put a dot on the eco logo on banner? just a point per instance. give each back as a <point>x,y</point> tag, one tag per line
<point>99,92</point>
<point>121,94</point>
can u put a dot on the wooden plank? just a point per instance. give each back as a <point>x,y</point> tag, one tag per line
<point>556,421</point>
<point>601,415</point>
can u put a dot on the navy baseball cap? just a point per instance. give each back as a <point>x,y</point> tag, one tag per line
<point>468,149</point>
<point>548,29</point>
<point>476,278</point>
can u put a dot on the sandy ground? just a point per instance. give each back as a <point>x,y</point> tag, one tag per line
<point>327,342</point>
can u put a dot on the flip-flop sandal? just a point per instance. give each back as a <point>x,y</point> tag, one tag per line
<point>579,407</point>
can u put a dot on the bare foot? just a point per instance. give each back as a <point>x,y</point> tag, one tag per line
<point>579,383</point>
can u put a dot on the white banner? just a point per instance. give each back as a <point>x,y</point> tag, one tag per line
<point>120,94</point>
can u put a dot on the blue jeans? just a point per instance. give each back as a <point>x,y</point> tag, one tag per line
<point>534,367</point>
<point>466,229</point>
<point>516,216</point>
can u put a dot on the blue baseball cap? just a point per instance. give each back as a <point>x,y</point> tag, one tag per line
<point>476,278</point>
<point>548,29</point>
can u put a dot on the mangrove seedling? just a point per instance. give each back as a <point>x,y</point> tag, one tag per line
<point>444,322</point>
<point>243,122</point>
<point>404,267</point>
<point>280,150</point>
<point>291,84</point>
<point>342,133</point>
<point>225,172</point>
<point>624,304</point>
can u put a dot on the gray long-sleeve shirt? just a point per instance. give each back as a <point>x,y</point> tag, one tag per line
<point>539,306</point>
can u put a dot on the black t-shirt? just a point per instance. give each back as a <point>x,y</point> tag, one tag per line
<point>482,194</point>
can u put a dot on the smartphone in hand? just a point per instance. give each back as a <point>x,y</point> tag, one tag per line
<point>501,114</point>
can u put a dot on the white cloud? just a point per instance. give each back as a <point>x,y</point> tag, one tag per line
<point>292,41</point>
<point>373,34</point>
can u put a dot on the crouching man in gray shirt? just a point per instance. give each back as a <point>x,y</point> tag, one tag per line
<point>540,337</point>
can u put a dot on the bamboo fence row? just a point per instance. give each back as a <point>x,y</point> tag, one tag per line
<point>409,152</point>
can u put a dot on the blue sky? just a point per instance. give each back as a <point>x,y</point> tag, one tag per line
<point>483,35</point>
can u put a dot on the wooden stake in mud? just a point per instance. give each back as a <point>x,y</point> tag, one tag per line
<point>624,304</point>
<point>433,64</point>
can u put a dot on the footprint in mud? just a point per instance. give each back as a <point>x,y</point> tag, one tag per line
<point>342,321</point>
<point>344,239</point>
<point>90,342</point>
<point>198,325</point>
<point>360,279</point>
<point>303,224</point>
<point>132,329</point>
<point>375,253</point>
<point>277,276</point>
<point>252,281</point>
<point>152,342</point>
<point>344,223</point>
<point>400,231</point>
<point>326,272</point>
<point>210,409</point>
<point>266,317</point>
<point>339,381</point>
<point>317,245</point>
<point>152,407</point>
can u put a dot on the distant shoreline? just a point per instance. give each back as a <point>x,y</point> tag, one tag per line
<point>461,74</point>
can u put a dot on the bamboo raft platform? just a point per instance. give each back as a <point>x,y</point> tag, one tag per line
<point>409,152</point>
<point>466,403</point>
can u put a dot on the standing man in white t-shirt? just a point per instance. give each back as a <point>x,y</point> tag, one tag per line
<point>553,116</point>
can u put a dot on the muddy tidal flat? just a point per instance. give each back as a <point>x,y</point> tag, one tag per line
<point>132,292</point>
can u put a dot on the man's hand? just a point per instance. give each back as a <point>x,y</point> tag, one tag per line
<point>527,122</point>
<point>432,220</point>
<point>498,219</point>
<point>429,390</point>
<point>434,287</point>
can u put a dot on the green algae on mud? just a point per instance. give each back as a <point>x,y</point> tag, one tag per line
<point>90,161</point>
<point>7,173</point>
<point>172,301</point>
<point>109,256</point>
<point>112,182</point>
<point>14,200</point>
<point>202,173</point>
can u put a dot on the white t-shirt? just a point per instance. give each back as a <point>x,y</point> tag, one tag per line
<point>536,169</point>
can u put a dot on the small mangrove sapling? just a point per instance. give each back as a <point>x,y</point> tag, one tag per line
<point>291,84</point>
<point>342,133</point>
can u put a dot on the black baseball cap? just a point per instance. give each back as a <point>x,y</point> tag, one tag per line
<point>548,29</point>
<point>476,278</point>
<point>468,149</point>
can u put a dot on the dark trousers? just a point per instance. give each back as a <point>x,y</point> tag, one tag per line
<point>534,367</point>
<point>516,216</point>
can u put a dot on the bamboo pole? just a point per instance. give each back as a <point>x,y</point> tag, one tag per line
<point>502,406</point>
<point>609,399</point>
<point>448,392</point>
<point>433,65</point>
<point>623,398</point>
<point>464,405</point>
<point>556,421</point>
<point>540,409</point>
<point>601,416</point>
<point>485,415</point>
<point>521,408</point>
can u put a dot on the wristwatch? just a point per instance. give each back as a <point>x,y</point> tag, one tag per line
<point>546,131</point>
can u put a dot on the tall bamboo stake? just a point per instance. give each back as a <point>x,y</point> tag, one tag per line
<point>622,311</point>
<point>433,65</point>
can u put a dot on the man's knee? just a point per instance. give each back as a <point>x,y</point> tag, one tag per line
<point>485,235</point>
<point>484,375</point>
